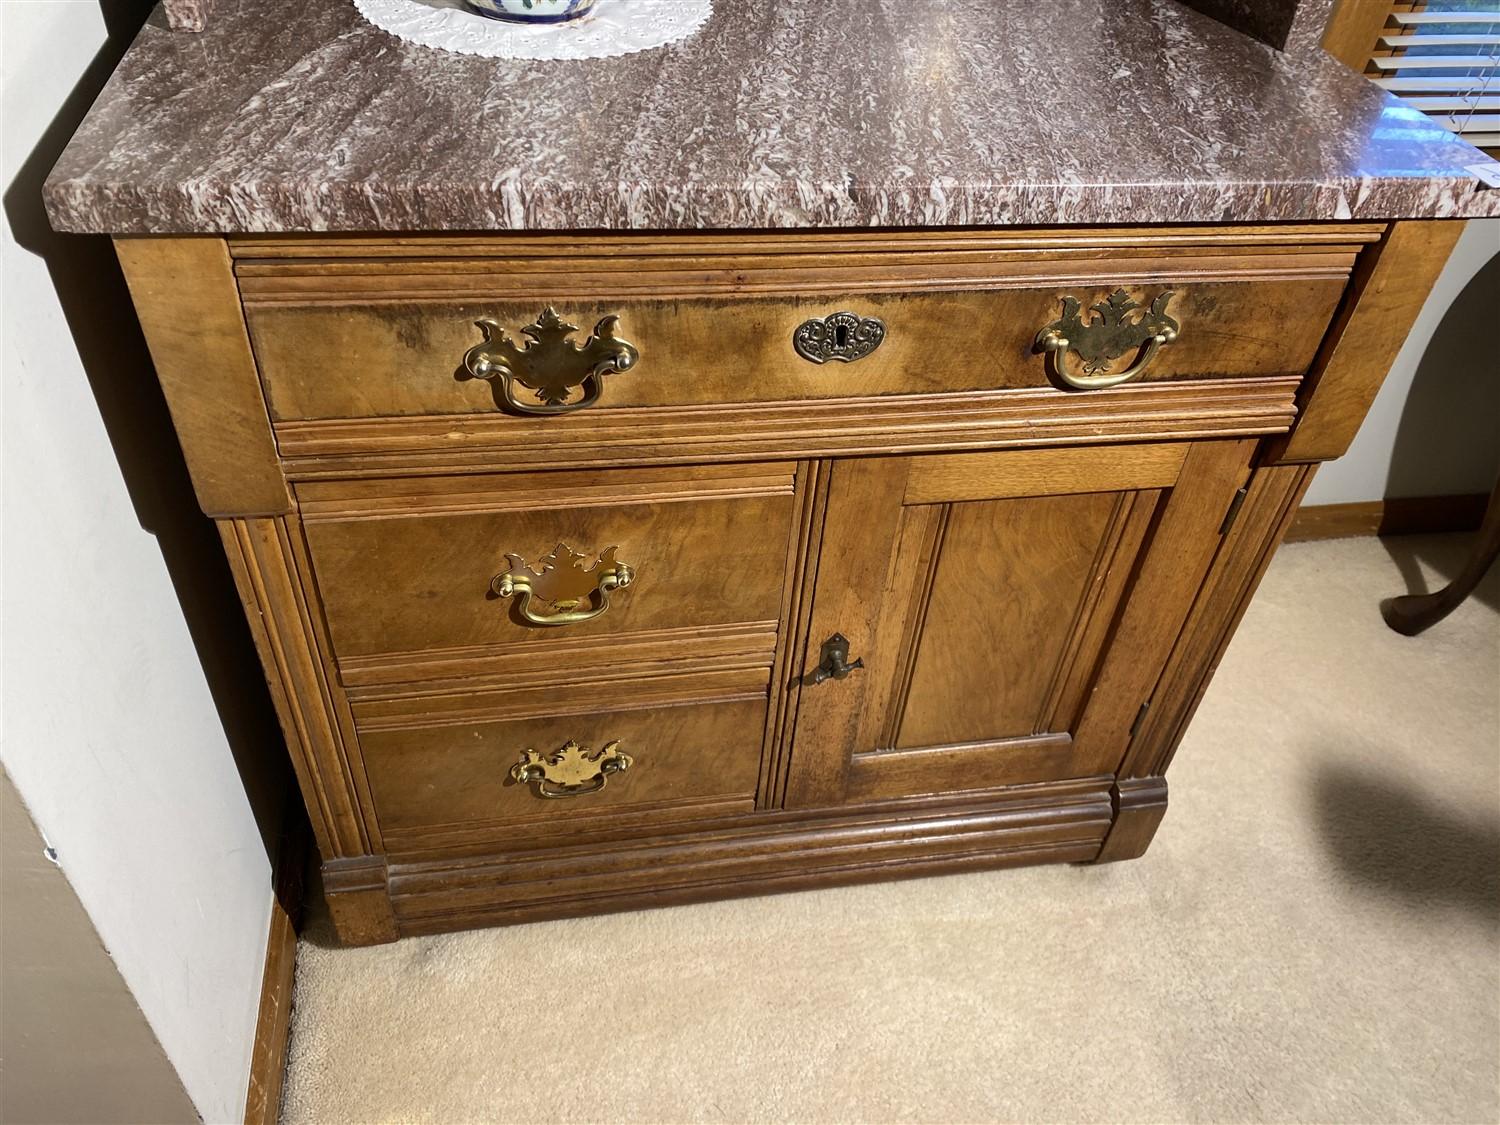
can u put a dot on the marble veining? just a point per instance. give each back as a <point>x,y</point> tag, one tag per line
<point>1309,24</point>
<point>187,15</point>
<point>296,115</point>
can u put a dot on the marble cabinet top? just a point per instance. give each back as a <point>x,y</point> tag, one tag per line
<point>296,115</point>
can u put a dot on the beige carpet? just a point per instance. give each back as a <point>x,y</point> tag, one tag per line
<point>1314,936</point>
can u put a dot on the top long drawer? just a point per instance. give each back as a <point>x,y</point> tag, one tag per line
<point>370,329</point>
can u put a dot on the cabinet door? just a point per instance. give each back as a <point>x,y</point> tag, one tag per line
<point>1011,612</point>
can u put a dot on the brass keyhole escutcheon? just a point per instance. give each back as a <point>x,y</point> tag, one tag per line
<point>841,336</point>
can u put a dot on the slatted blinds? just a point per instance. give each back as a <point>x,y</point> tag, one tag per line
<point>1443,57</point>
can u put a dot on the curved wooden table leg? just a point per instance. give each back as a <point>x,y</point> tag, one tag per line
<point>1412,613</point>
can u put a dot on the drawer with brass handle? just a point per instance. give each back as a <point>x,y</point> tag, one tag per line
<point>507,336</point>
<point>437,777</point>
<point>475,565</point>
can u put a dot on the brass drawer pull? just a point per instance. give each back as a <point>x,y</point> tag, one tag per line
<point>844,336</point>
<point>1106,338</point>
<point>550,365</point>
<point>560,580</point>
<point>573,771</point>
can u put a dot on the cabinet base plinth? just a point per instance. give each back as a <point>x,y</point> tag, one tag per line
<point>1140,803</point>
<point>763,853</point>
<point>358,894</point>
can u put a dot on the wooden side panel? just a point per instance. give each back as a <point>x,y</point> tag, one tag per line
<point>1270,504</point>
<point>1390,286</point>
<point>262,557</point>
<point>1354,29</point>
<point>186,299</point>
<point>1180,551</point>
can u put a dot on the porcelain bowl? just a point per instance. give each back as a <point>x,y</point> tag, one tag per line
<point>532,11</point>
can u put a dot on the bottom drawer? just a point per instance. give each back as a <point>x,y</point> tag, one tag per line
<point>437,783</point>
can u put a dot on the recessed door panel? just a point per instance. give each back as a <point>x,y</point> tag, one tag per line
<point>1003,616</point>
<point>1006,597</point>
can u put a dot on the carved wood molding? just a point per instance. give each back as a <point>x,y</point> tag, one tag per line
<point>285,621</point>
<point>461,705</point>
<point>357,891</point>
<point>320,501</point>
<point>395,675</point>
<point>1271,501</point>
<point>753,854</point>
<point>352,448</point>
<point>314,270</point>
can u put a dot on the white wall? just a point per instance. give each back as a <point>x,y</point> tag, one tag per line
<point>111,734</point>
<point>1434,429</point>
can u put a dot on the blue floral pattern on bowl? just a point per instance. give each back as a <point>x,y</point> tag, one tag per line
<point>532,11</point>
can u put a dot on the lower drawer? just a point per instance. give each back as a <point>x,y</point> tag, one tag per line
<point>436,783</point>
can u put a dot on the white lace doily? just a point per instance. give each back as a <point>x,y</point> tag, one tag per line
<point>614,27</point>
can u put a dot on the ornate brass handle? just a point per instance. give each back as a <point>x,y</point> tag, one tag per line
<point>550,365</point>
<point>572,771</point>
<point>561,581</point>
<point>1106,338</point>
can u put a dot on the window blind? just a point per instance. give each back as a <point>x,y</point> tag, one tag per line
<point>1443,58</point>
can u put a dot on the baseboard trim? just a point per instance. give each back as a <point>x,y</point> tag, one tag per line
<point>1414,515</point>
<point>274,1024</point>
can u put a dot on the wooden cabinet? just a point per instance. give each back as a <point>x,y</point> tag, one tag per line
<point>803,560</point>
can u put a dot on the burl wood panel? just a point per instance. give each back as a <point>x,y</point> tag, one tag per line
<point>694,756</point>
<point>1009,583</point>
<point>384,359</point>
<point>405,565</point>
